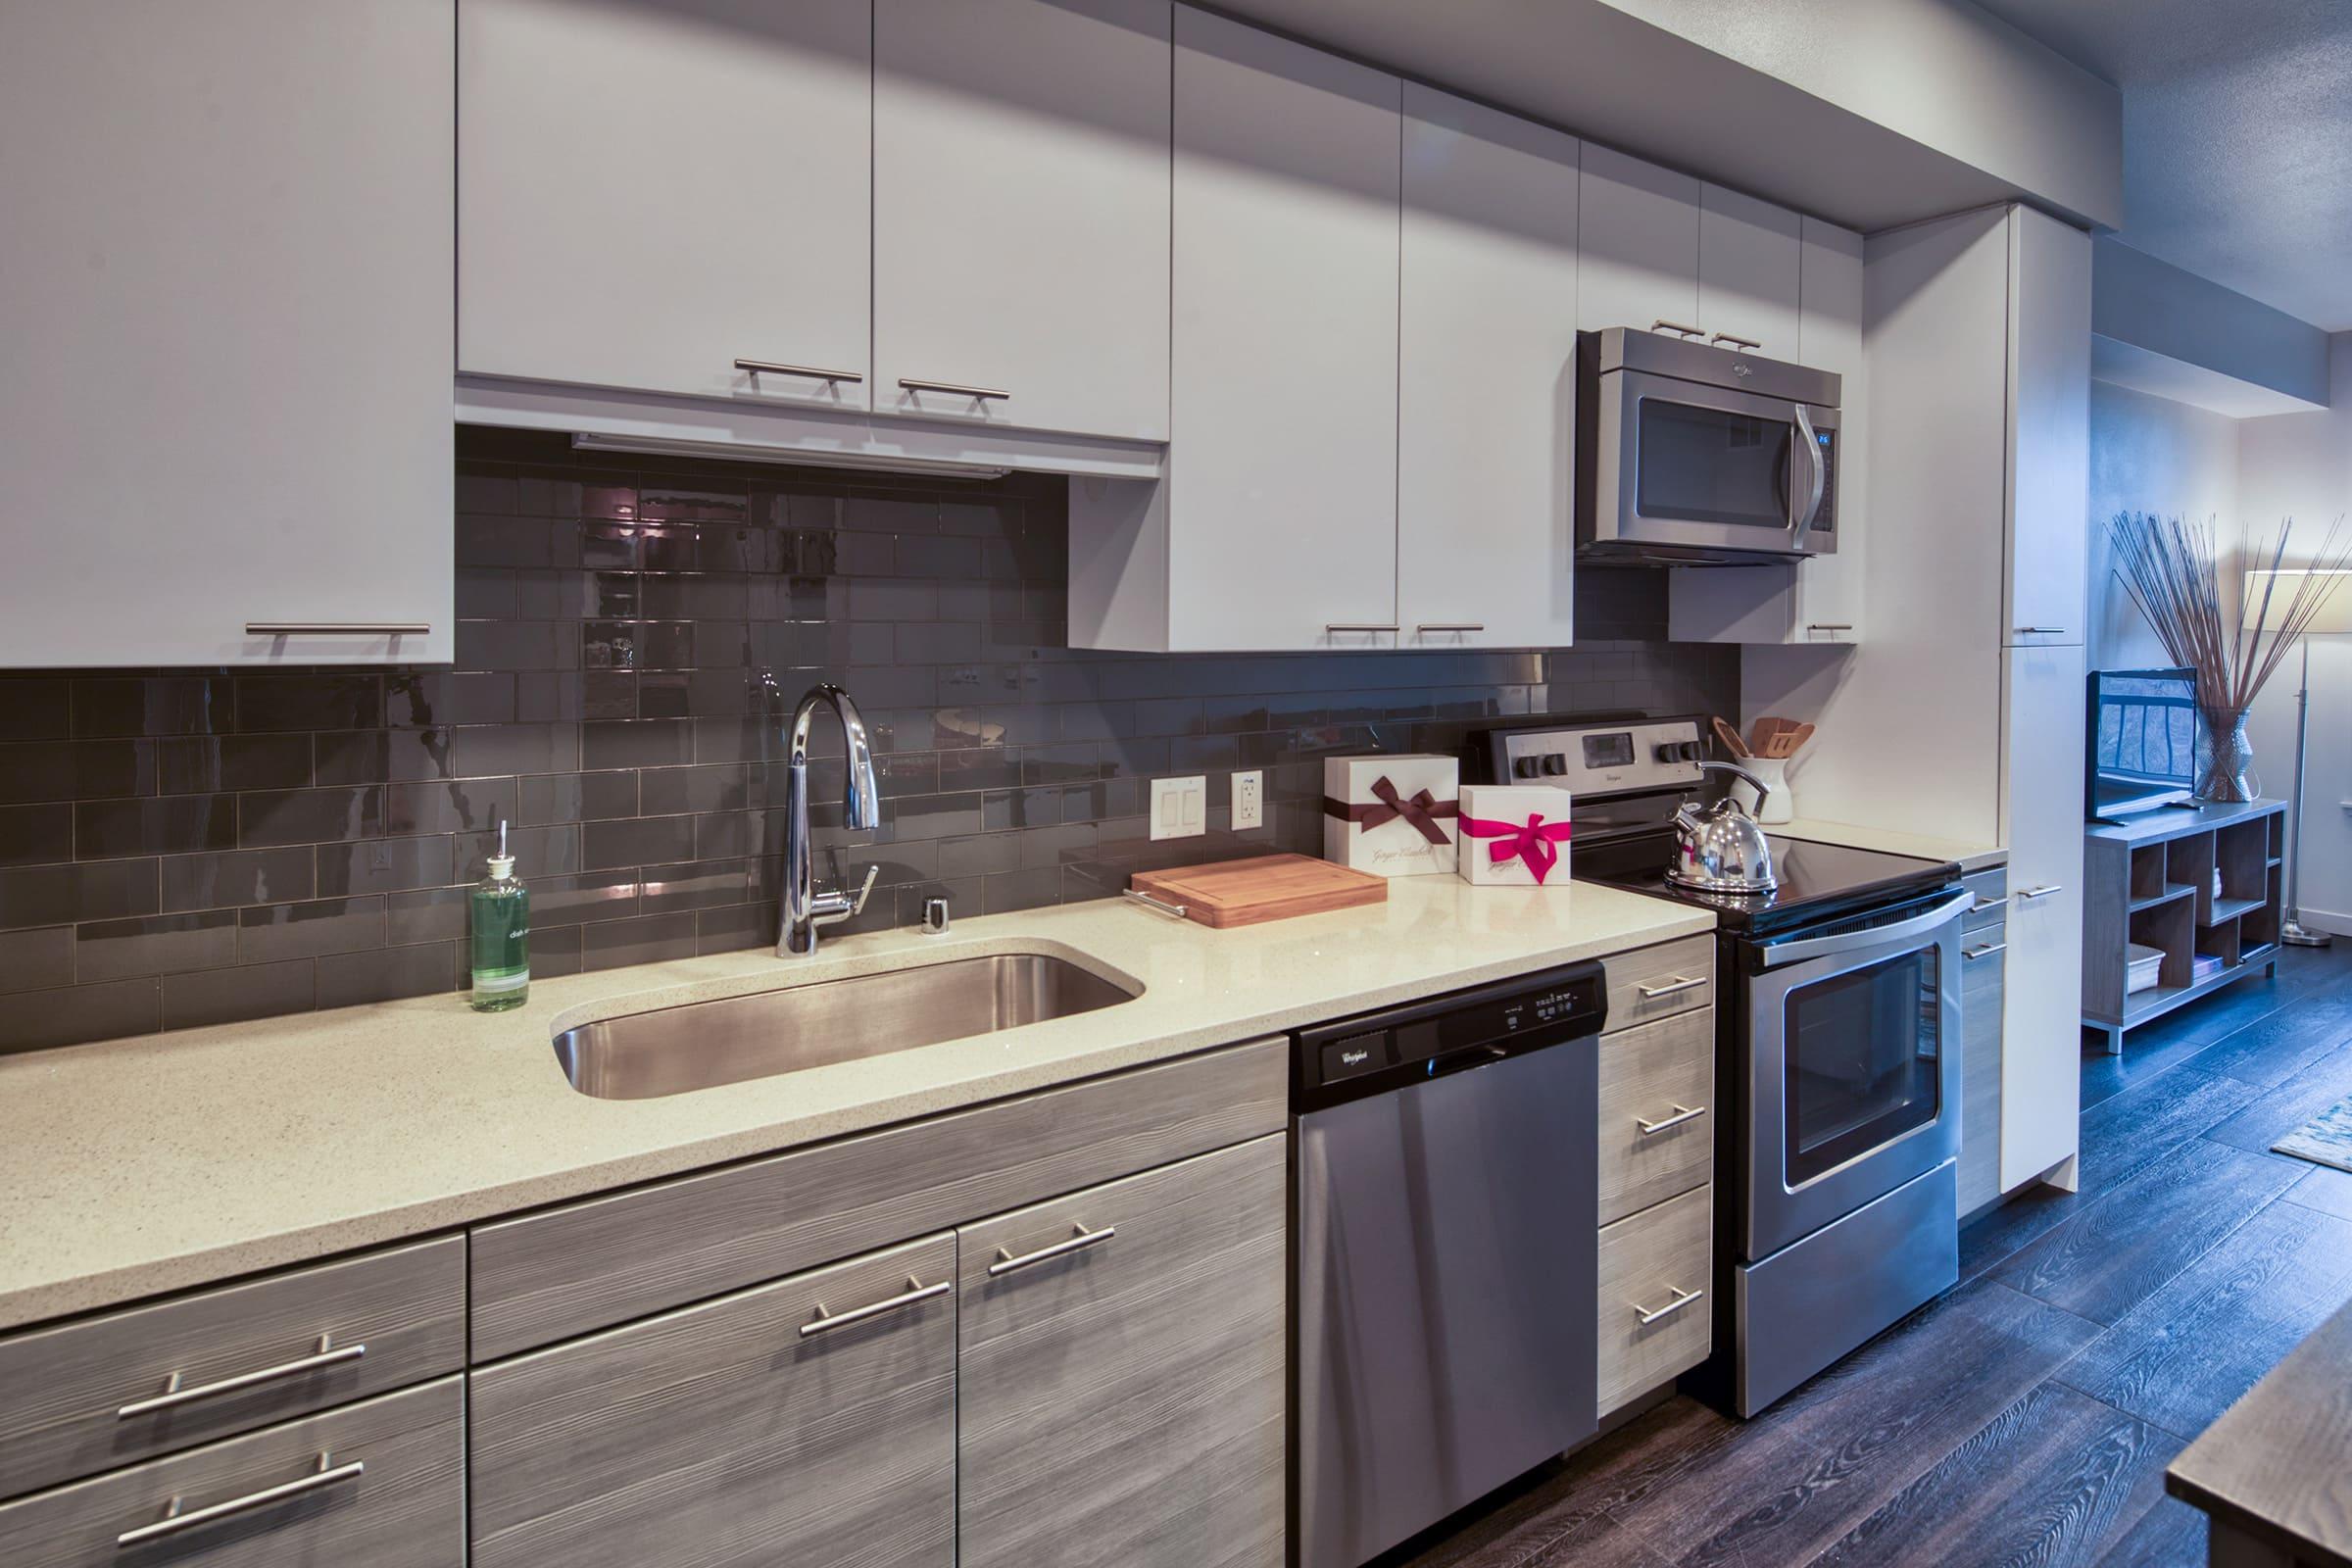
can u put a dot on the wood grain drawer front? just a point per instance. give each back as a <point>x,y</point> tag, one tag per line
<point>1657,1119</point>
<point>1650,983</point>
<point>1992,906</point>
<point>729,1433</point>
<point>566,1272</point>
<point>1656,1265</point>
<point>381,1483</point>
<point>221,1362</point>
<point>1122,1400</point>
<point>1982,980</point>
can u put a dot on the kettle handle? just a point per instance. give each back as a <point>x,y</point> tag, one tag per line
<point>1761,788</point>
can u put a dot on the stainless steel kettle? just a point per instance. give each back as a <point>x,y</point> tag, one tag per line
<point>1720,848</point>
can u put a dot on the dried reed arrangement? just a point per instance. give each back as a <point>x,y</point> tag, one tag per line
<point>2172,569</point>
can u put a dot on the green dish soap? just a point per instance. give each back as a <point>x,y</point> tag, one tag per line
<point>502,935</point>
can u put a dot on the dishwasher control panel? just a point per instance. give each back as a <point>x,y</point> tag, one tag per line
<point>1399,1045</point>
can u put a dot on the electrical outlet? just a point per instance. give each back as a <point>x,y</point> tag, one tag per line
<point>1180,806</point>
<point>1249,800</point>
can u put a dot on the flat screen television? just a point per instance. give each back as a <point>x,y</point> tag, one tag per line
<point>2142,737</point>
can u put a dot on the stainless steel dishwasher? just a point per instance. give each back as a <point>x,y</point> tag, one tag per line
<point>1442,1251</point>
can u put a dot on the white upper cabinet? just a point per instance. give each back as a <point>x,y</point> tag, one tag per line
<point>2041,822</point>
<point>1022,212</point>
<point>2045,597</point>
<point>1750,258</point>
<point>650,192</point>
<point>1637,231</point>
<point>1487,340</point>
<point>1282,474</point>
<point>228,305</point>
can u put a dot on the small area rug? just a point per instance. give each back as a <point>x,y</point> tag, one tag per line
<point>2325,1140</point>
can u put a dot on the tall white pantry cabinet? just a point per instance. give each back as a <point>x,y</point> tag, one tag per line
<point>1961,716</point>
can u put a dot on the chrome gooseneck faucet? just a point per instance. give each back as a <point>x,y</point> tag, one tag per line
<point>805,908</point>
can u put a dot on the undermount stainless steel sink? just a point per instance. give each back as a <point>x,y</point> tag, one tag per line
<point>695,1044</point>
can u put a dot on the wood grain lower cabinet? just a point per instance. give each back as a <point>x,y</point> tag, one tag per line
<point>1121,1369</point>
<point>1654,1320</point>
<point>1983,968</point>
<point>1657,1124</point>
<point>381,1483</point>
<point>739,1431</point>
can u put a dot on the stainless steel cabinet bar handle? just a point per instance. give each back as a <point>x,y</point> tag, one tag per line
<point>328,1353</point>
<point>1682,1299</point>
<point>916,1291</point>
<point>1450,625</point>
<point>2041,631</point>
<point>1006,1263</point>
<point>1982,905</point>
<point>813,372</point>
<point>1737,342</point>
<point>1829,625</point>
<point>327,1474</point>
<point>1178,910</point>
<point>910,384</point>
<point>1359,625</point>
<point>1661,325</point>
<point>1672,986</point>
<point>1682,1115</point>
<point>2030,893</point>
<point>1972,954</point>
<point>337,628</point>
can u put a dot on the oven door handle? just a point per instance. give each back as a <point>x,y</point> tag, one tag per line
<point>1853,941</point>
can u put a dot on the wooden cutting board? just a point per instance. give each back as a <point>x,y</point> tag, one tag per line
<point>1265,887</point>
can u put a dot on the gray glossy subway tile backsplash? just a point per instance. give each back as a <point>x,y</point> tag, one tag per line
<point>192,847</point>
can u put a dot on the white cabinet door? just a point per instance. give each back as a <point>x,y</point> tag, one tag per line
<point>1829,336</point>
<point>649,192</point>
<point>1022,212</point>
<point>1638,235</point>
<point>2049,430</point>
<point>2041,822</point>
<point>1748,264</point>
<point>1485,399</point>
<point>228,305</point>
<point>1282,476</point>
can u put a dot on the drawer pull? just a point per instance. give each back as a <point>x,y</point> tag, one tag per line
<point>975,393</point>
<point>327,1355</point>
<point>1982,905</point>
<point>1670,988</point>
<point>1682,1299</point>
<point>1082,1239</point>
<point>338,628</point>
<point>1682,1115</point>
<point>1972,954</point>
<point>1450,625</point>
<point>916,1291</point>
<point>2029,895</point>
<point>810,372</point>
<point>1830,625</point>
<point>1359,625</point>
<point>327,1474</point>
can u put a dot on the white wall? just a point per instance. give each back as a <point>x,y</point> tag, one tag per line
<point>2148,454</point>
<point>2300,465</point>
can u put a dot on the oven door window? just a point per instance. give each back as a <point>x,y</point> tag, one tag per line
<point>1861,1061</point>
<point>1702,465</point>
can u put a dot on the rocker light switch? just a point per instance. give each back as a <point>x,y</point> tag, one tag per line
<point>1180,806</point>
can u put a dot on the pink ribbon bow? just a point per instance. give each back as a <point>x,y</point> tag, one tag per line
<point>1537,841</point>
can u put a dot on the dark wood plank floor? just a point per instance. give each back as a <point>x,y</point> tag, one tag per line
<point>2028,1415</point>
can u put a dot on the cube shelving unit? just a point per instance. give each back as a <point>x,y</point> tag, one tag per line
<point>2150,881</point>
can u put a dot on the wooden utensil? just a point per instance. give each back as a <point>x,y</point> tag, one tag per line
<point>1266,887</point>
<point>1730,737</point>
<point>1760,738</point>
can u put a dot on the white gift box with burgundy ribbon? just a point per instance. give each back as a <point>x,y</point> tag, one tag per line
<point>1391,815</point>
<point>1514,835</point>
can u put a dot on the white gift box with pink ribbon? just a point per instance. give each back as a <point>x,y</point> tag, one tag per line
<point>1514,835</point>
<point>1391,815</point>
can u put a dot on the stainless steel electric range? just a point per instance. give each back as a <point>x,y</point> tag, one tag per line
<point>1837,1055</point>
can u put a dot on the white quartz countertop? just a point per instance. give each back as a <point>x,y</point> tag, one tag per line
<point>1972,856</point>
<point>138,1166</point>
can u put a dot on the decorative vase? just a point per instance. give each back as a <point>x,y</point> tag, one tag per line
<point>2225,758</point>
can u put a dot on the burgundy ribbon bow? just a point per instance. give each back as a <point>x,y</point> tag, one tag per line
<point>1537,841</point>
<point>1422,811</point>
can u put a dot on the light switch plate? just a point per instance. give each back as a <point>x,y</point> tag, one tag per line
<point>1180,806</point>
<point>1249,800</point>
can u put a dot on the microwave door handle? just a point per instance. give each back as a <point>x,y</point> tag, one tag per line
<point>1817,467</point>
<point>1853,941</point>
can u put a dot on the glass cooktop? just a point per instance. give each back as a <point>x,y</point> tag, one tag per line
<point>1817,881</point>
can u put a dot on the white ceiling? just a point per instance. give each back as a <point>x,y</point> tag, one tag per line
<point>2237,135</point>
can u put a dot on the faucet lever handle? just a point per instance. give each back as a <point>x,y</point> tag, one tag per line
<point>865,889</point>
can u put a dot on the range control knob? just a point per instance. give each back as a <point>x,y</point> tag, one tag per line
<point>1526,767</point>
<point>1680,751</point>
<point>1556,763</point>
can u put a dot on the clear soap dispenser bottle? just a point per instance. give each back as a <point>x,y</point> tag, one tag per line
<point>502,935</point>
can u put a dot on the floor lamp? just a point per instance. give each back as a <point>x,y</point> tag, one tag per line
<point>2334,621</point>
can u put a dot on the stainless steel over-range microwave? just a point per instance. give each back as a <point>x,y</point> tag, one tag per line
<point>1689,452</point>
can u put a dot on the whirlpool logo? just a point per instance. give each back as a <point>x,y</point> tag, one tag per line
<point>1740,369</point>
